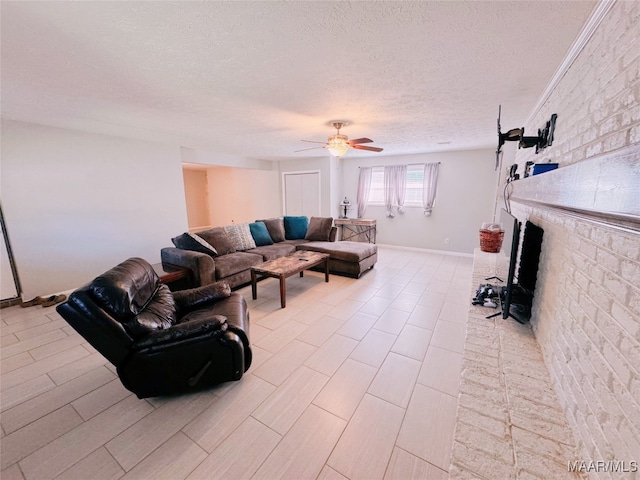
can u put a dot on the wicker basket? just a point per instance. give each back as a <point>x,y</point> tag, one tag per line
<point>491,240</point>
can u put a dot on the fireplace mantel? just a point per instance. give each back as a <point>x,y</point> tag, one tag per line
<point>603,189</point>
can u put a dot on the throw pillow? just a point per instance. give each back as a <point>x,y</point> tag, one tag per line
<point>189,241</point>
<point>295,228</point>
<point>275,226</point>
<point>319,229</point>
<point>218,238</point>
<point>240,235</point>
<point>260,234</point>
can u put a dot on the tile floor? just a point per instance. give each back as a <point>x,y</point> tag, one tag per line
<point>354,379</point>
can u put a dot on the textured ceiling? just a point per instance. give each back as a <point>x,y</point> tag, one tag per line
<point>251,79</point>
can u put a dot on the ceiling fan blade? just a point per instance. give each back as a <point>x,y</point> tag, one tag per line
<point>371,149</point>
<point>359,140</point>
<point>305,149</point>
<point>311,141</point>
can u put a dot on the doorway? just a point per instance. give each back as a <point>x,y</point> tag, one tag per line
<point>196,192</point>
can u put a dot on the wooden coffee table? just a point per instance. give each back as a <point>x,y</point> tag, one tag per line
<point>284,267</point>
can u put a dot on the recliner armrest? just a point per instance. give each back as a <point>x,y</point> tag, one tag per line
<point>195,329</point>
<point>194,298</point>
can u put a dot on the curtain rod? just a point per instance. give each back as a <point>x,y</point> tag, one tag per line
<point>407,164</point>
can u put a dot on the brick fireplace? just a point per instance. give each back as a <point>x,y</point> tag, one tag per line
<point>585,326</point>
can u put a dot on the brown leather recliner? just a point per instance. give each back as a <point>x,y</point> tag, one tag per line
<point>162,342</point>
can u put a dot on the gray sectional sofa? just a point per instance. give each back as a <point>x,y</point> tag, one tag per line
<point>228,253</point>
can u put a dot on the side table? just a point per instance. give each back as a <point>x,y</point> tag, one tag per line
<point>176,278</point>
<point>355,229</point>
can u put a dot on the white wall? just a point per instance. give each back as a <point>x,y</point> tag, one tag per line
<point>207,157</point>
<point>465,199</point>
<point>77,204</point>
<point>335,186</point>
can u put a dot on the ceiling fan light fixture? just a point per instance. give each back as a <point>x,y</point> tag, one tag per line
<point>337,145</point>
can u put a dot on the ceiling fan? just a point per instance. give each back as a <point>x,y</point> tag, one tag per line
<point>339,144</point>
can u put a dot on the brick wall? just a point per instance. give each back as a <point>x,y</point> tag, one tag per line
<point>586,314</point>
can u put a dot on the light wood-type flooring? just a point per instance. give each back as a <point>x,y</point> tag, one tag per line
<point>354,379</point>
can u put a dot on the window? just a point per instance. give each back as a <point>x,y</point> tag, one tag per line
<point>413,187</point>
<point>415,181</point>
<point>376,191</point>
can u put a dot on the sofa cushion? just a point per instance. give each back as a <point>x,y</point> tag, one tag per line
<point>276,250</point>
<point>240,236</point>
<point>260,234</point>
<point>295,242</point>
<point>319,229</point>
<point>275,226</point>
<point>353,252</point>
<point>190,241</point>
<point>219,239</point>
<point>295,228</point>
<point>237,262</point>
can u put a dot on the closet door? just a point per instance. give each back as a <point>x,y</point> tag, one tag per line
<point>302,193</point>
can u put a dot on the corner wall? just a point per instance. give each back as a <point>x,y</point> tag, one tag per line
<point>586,313</point>
<point>77,204</point>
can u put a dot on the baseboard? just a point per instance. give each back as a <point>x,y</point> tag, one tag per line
<point>426,250</point>
<point>10,302</point>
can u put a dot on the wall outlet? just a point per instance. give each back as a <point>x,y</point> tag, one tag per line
<point>446,241</point>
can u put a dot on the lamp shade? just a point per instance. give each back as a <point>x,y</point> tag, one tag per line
<point>337,145</point>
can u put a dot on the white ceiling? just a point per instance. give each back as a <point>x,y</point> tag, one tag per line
<point>251,79</point>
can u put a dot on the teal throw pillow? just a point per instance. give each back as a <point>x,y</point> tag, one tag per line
<point>295,228</point>
<point>260,234</point>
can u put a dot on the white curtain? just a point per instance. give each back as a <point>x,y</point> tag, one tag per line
<point>364,184</point>
<point>429,187</point>
<point>401,186</point>
<point>389,190</point>
<point>395,179</point>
